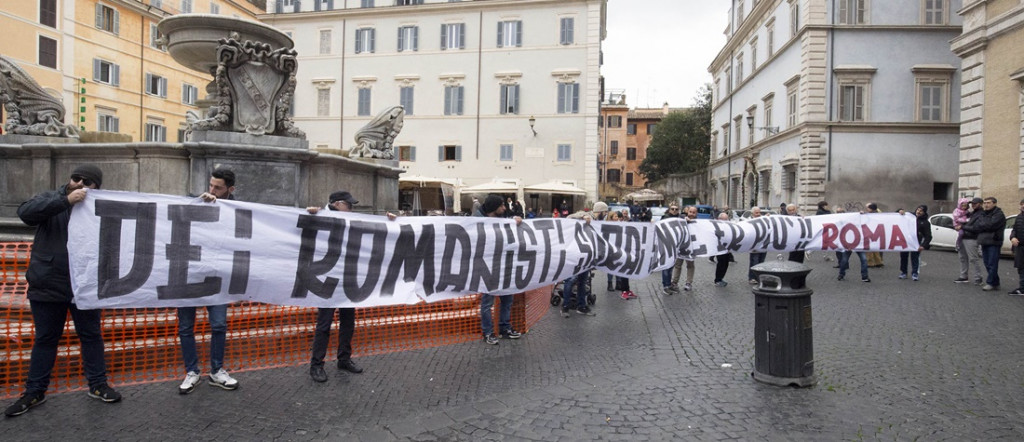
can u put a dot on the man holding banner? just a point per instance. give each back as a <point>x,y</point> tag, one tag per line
<point>493,208</point>
<point>50,295</point>
<point>222,185</point>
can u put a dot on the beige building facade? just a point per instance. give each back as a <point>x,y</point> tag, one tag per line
<point>991,142</point>
<point>101,57</point>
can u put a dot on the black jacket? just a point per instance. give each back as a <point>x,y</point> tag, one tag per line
<point>1018,232</point>
<point>49,279</point>
<point>924,231</point>
<point>988,227</point>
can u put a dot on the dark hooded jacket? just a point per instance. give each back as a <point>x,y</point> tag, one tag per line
<point>48,275</point>
<point>924,228</point>
<point>988,225</point>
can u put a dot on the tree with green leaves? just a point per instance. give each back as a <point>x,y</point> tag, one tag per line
<point>682,142</point>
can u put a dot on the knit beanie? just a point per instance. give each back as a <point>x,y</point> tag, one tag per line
<point>91,172</point>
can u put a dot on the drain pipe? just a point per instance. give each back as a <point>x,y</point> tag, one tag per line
<point>831,91</point>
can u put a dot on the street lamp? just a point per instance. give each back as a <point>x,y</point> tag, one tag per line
<point>532,122</point>
<point>772,130</point>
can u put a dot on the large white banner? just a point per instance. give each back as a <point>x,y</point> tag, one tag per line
<point>144,250</point>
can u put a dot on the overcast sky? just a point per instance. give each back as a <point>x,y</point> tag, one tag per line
<point>660,50</point>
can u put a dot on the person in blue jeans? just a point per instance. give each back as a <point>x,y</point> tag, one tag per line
<point>576,287</point>
<point>844,265</point>
<point>989,226</point>
<point>924,238</point>
<point>222,184</point>
<point>493,208</point>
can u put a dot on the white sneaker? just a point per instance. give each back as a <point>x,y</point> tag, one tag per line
<point>189,384</point>
<point>223,380</point>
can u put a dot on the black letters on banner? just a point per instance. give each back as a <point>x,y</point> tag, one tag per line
<point>307,271</point>
<point>378,232</point>
<point>481,271</point>
<point>411,258</point>
<point>525,255</point>
<point>455,237</point>
<point>240,260</point>
<point>180,251</point>
<point>109,282</point>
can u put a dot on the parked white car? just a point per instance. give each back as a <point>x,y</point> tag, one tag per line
<point>943,235</point>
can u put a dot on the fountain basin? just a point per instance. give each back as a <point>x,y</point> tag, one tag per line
<point>192,39</point>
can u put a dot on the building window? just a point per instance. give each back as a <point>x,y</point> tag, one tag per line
<point>792,103</point>
<point>566,29</point>
<point>106,72</point>
<point>750,133</point>
<point>366,4</point>
<point>568,98</point>
<point>325,41</point>
<point>47,52</point>
<point>505,153</point>
<point>323,5</point>
<point>854,92</point>
<point>189,94</point>
<point>613,150</point>
<point>181,134</point>
<point>739,12</point>
<point>107,123</point>
<point>739,69</point>
<point>453,98</point>
<point>365,40</point>
<point>738,127</point>
<point>186,6</point>
<point>851,12</point>
<point>564,152</point>
<point>794,18</point>
<point>156,85</point>
<point>935,12</point>
<point>631,129</point>
<point>930,99</point>
<point>156,3</point>
<point>770,31</point>
<point>510,33</point>
<point>615,121</point>
<point>408,38</point>
<point>629,178</point>
<point>650,128</point>
<point>630,154</point>
<point>614,175</point>
<point>406,153</point>
<point>753,55</point>
<point>405,98</point>
<point>214,8</point>
<point>851,102</point>
<point>156,132</point>
<point>154,36</point>
<point>107,18</point>
<point>453,36</point>
<point>728,80</point>
<point>942,191</point>
<point>933,90</point>
<point>449,153</point>
<point>768,103</point>
<point>509,99</point>
<point>408,2</point>
<point>725,140</point>
<point>363,108</point>
<point>323,102</point>
<point>48,13</point>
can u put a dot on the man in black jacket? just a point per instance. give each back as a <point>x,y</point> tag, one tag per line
<point>989,226</point>
<point>1018,252</point>
<point>924,238</point>
<point>50,296</point>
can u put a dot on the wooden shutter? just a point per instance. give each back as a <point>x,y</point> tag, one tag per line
<point>359,40</point>
<point>458,153</point>
<point>444,37</point>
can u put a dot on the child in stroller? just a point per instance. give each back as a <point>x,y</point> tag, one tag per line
<point>581,281</point>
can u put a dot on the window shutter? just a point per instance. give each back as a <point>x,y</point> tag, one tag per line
<point>149,84</point>
<point>359,40</point>
<point>115,74</point>
<point>504,100</point>
<point>571,31</point>
<point>298,6</point>
<point>115,125</point>
<point>519,33</point>
<point>280,7</point>
<point>415,38</point>
<point>460,92</point>
<point>515,99</point>
<point>462,35</point>
<point>448,100</point>
<point>501,32</point>
<point>96,69</point>
<point>444,36</point>
<point>440,153</point>
<point>575,98</point>
<point>163,88</point>
<point>99,16</point>
<point>412,153</point>
<point>561,98</point>
<point>316,5</point>
<point>184,94</point>
<point>330,4</point>
<point>401,43</point>
<point>458,153</point>
<point>117,22</point>
<point>373,37</point>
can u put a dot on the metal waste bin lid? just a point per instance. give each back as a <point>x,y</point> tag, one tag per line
<point>781,279</point>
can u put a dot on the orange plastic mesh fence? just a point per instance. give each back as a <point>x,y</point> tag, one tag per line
<point>142,344</point>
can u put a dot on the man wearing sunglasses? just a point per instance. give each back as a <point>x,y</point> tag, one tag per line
<point>222,186</point>
<point>50,296</point>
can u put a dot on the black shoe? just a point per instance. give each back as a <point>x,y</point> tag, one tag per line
<point>349,366</point>
<point>611,287</point>
<point>841,277</point>
<point>865,280</point>
<point>511,334</point>
<point>565,312</point>
<point>105,394</point>
<point>586,311</point>
<point>26,402</point>
<point>317,373</point>
<point>961,280</point>
<point>490,340</point>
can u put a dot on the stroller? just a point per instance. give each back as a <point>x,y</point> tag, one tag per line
<point>558,289</point>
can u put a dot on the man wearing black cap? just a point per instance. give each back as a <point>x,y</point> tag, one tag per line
<point>222,186</point>
<point>970,239</point>
<point>50,296</point>
<point>989,226</point>
<point>493,208</point>
<point>341,201</point>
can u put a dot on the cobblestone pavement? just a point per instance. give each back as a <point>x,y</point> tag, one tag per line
<point>895,360</point>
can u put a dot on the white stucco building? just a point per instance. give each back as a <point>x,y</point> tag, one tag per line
<point>848,101</point>
<point>495,90</point>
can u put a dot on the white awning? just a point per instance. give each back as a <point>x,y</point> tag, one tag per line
<point>555,187</point>
<point>424,181</point>
<point>492,187</point>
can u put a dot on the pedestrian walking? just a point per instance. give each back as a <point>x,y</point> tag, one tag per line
<point>1018,252</point>
<point>924,238</point>
<point>874,258</point>
<point>723,260</point>
<point>494,208</point>
<point>677,269</point>
<point>666,275</point>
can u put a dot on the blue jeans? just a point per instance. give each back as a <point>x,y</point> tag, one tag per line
<point>578,285</point>
<point>504,313</point>
<point>666,277</point>
<point>218,317</point>
<point>844,264</point>
<point>49,319</point>
<point>755,259</point>
<point>990,256</point>
<point>915,262</point>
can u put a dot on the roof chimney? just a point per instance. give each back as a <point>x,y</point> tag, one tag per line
<point>664,108</point>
